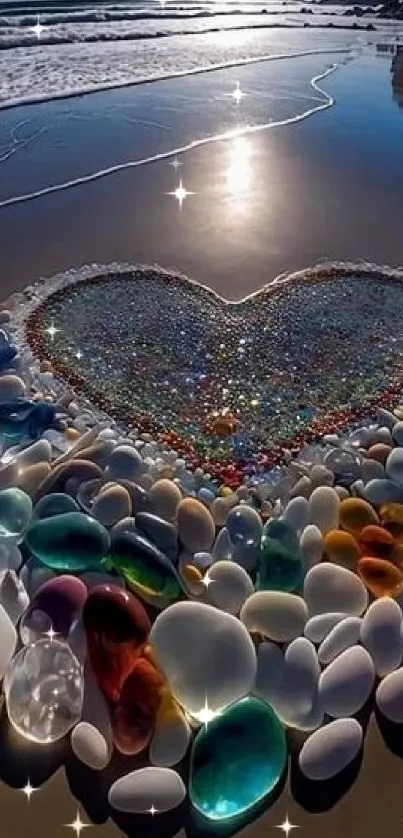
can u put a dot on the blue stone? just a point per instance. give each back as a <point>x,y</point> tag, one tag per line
<point>237,760</point>
<point>7,354</point>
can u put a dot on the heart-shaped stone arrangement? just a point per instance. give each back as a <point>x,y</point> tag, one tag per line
<point>229,384</point>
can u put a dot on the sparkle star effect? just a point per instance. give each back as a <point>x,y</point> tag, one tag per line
<point>38,28</point>
<point>206,714</point>
<point>51,634</point>
<point>175,163</point>
<point>28,790</point>
<point>78,825</point>
<point>207,580</point>
<point>180,193</point>
<point>152,811</point>
<point>237,94</point>
<point>287,826</point>
<point>52,331</point>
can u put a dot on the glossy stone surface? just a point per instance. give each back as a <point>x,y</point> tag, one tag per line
<point>139,791</point>
<point>146,570</point>
<point>89,746</point>
<point>381,577</point>
<point>57,503</point>
<point>277,615</point>
<point>355,514</point>
<point>117,628</point>
<point>72,541</point>
<point>196,526</point>
<point>280,566</point>
<point>15,513</point>
<point>43,690</point>
<point>222,788</point>
<point>331,749</point>
<point>172,734</point>
<point>376,541</point>
<point>342,548</point>
<point>391,517</point>
<point>329,588</point>
<point>381,635</point>
<point>134,717</point>
<point>20,418</point>
<point>204,654</point>
<point>61,599</point>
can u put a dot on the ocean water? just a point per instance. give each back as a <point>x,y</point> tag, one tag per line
<point>82,45</point>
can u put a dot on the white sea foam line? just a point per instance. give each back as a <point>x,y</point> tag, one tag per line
<point>228,135</point>
<point>209,68</point>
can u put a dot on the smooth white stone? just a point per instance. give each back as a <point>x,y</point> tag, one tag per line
<point>170,741</point>
<point>311,544</point>
<point>137,792</point>
<point>389,696</point>
<point>164,497</point>
<point>89,746</point>
<point>384,435</point>
<point>269,675</point>
<point>277,615</point>
<point>394,466</point>
<point>342,492</point>
<point>296,513</point>
<point>230,586</point>
<point>346,684</point>
<point>331,749</point>
<point>8,640</point>
<point>372,470</point>
<point>329,588</point>
<point>125,463</point>
<point>223,546</point>
<point>308,721</point>
<point>321,476</point>
<point>215,642</point>
<point>300,677</point>
<point>11,387</point>
<point>381,634</point>
<point>341,637</point>
<point>324,509</point>
<point>397,433</point>
<point>318,627</point>
<point>39,452</point>
<point>13,596</point>
<point>302,488</point>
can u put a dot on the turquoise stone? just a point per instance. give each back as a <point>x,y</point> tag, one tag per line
<point>237,760</point>
<point>15,512</point>
<point>280,566</point>
<point>72,541</point>
<point>146,570</point>
<point>56,503</point>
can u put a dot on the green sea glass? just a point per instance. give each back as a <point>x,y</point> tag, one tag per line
<point>147,571</point>
<point>15,512</point>
<point>237,760</point>
<point>72,541</point>
<point>280,566</point>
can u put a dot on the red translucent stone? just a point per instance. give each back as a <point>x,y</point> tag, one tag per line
<point>134,717</point>
<point>117,627</point>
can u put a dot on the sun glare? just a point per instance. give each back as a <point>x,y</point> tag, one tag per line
<point>239,170</point>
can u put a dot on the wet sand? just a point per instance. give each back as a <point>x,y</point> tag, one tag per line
<point>330,187</point>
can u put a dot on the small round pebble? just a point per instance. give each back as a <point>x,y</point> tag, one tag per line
<point>277,615</point>
<point>389,696</point>
<point>89,746</point>
<point>346,684</point>
<point>112,505</point>
<point>381,634</point>
<point>345,634</point>
<point>230,586</point>
<point>311,546</point>
<point>139,791</point>
<point>164,497</point>
<point>329,588</point>
<point>324,509</point>
<point>319,626</point>
<point>330,749</point>
<point>244,525</point>
<point>125,462</point>
<point>196,528</point>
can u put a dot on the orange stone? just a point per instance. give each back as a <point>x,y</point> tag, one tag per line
<point>134,717</point>
<point>376,541</point>
<point>356,514</point>
<point>191,574</point>
<point>391,515</point>
<point>342,548</point>
<point>380,451</point>
<point>71,434</point>
<point>382,578</point>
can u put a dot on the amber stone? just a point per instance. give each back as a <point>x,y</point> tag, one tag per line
<point>117,627</point>
<point>342,548</point>
<point>391,517</point>
<point>376,541</point>
<point>382,578</point>
<point>355,514</point>
<point>380,451</point>
<point>134,717</point>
